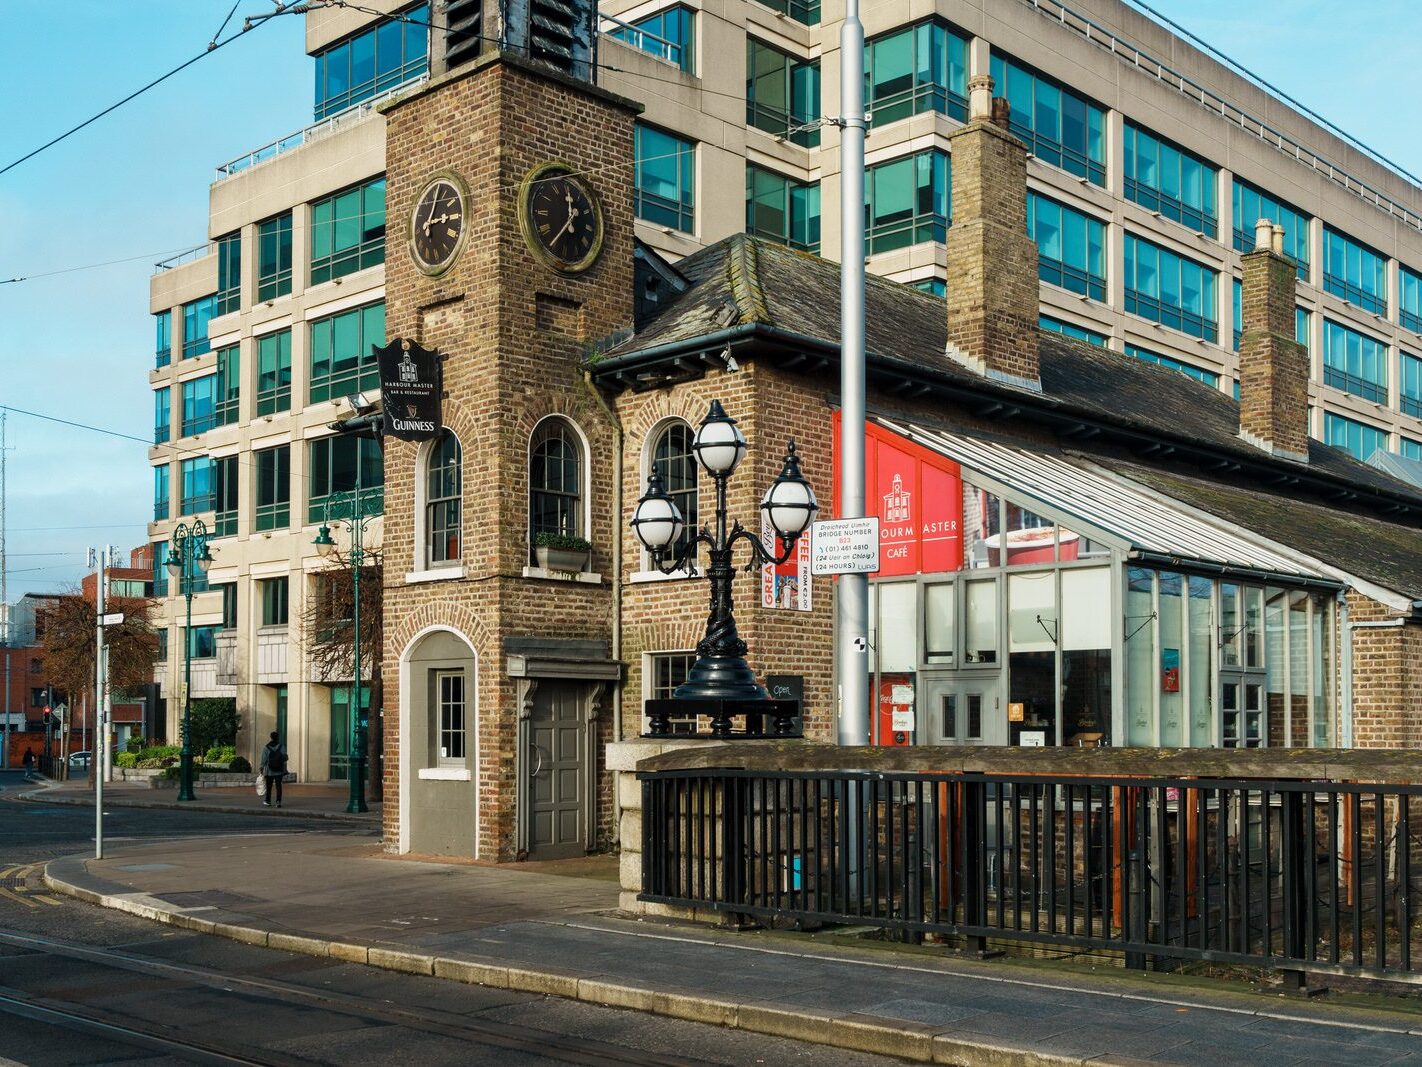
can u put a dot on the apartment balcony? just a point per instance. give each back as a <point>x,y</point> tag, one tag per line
<point>273,645</point>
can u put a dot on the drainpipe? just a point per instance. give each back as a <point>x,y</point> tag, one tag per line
<point>617,533</point>
<point>1345,708</point>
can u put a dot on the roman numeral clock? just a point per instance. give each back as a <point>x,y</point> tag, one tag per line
<point>438,223</point>
<point>560,217</point>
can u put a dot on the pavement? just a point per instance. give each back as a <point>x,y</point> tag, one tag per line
<point>553,928</point>
<point>298,801</point>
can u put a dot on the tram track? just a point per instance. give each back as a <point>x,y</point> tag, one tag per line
<point>283,995</point>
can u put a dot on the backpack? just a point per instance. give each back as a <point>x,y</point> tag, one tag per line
<point>276,761</point>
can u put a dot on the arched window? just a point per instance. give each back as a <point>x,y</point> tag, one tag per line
<point>674,460</point>
<point>443,491</point>
<point>555,480</point>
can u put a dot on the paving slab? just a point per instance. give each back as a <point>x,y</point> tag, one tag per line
<point>298,801</point>
<point>554,928</point>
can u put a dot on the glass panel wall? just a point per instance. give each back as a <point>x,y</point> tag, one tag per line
<point>1354,272</point>
<point>1357,438</point>
<point>348,231</point>
<point>1161,177</point>
<point>1060,127</point>
<point>664,189</point>
<point>388,54</point>
<point>1251,205</point>
<point>1170,289</point>
<point>782,93</point>
<point>1070,246</point>
<point>666,34</point>
<point>782,209</point>
<point>908,201</point>
<point>916,69</point>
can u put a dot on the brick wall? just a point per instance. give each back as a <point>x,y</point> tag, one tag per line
<point>1387,678</point>
<point>509,367</point>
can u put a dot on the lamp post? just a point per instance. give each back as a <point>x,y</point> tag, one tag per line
<point>356,523</point>
<point>721,672</point>
<point>188,555</point>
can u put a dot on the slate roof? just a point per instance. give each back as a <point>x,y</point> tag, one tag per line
<point>758,288</point>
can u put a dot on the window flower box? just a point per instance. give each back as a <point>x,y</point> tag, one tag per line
<point>561,552</point>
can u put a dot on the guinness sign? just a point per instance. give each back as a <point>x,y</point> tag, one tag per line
<point>411,385</point>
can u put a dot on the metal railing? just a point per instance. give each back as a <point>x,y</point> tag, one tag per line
<point>187,255</point>
<point>643,40</point>
<point>315,131</point>
<point>1298,876</point>
<point>1212,101</point>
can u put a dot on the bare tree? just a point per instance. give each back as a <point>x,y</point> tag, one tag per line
<point>328,633</point>
<point>66,634</point>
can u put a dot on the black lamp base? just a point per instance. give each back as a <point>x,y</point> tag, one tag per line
<point>721,678</point>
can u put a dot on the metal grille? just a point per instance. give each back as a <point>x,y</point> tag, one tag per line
<point>553,32</point>
<point>464,21</point>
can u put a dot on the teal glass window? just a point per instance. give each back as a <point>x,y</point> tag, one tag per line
<point>275,601</point>
<point>1354,362</point>
<point>198,397</point>
<point>1409,448</point>
<point>1210,378</point>
<point>664,188</point>
<point>1357,438</point>
<point>782,209</point>
<point>806,12</point>
<point>274,257</point>
<point>224,496</point>
<point>1354,272</point>
<point>386,55</point>
<point>1301,330</point>
<point>782,92</point>
<point>196,315</point>
<point>1238,312</point>
<point>197,485</point>
<point>342,362</point>
<point>274,372</point>
<point>348,231</point>
<point>1251,204</point>
<point>1060,128</point>
<point>666,34</point>
<point>160,568</point>
<point>340,465</point>
<point>932,286</point>
<point>163,341</point>
<point>916,69</point>
<point>1161,177</point>
<point>202,641</point>
<point>162,414</point>
<point>908,201</point>
<point>162,499</point>
<point>1046,322</point>
<point>273,488</point>
<point>229,382</point>
<point>1409,384</point>
<point>1409,299</point>
<point>229,273</point>
<point>1070,246</point>
<point>1170,289</point>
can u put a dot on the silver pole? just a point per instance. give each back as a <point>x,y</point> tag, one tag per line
<point>97,748</point>
<point>852,659</point>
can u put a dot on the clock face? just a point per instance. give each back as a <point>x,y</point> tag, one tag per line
<point>437,225</point>
<point>562,219</point>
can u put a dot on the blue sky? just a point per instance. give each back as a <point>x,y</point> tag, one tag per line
<point>135,185</point>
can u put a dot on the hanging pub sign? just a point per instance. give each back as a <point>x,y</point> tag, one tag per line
<point>411,385</point>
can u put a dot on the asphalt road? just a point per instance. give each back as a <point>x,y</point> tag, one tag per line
<point>82,985</point>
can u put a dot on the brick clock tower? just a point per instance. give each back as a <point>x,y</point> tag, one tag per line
<point>510,251</point>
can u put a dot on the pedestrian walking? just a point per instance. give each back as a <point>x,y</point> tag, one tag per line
<point>29,760</point>
<point>273,769</point>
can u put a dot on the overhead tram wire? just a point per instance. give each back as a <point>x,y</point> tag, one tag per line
<point>87,266</point>
<point>249,24</point>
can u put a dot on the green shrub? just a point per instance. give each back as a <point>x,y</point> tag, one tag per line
<point>173,773</point>
<point>240,764</point>
<point>214,722</point>
<point>220,754</point>
<point>567,542</point>
<point>126,759</point>
<point>158,752</point>
<point>134,744</point>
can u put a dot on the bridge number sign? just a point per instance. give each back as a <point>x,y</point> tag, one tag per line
<point>845,546</point>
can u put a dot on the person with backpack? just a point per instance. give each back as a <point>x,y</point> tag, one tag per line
<point>273,769</point>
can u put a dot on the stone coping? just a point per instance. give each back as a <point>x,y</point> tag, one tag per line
<point>1390,766</point>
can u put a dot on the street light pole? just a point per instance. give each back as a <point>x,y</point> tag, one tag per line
<point>356,524</point>
<point>187,555</point>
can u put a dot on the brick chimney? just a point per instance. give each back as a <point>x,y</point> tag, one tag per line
<point>1273,367</point>
<point>993,293</point>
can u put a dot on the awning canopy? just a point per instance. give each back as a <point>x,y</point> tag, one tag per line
<point>1139,519</point>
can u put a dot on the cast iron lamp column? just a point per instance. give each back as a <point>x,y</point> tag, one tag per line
<point>721,672</point>
<point>188,555</point>
<point>356,523</point>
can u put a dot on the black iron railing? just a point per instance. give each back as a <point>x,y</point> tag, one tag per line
<point>1292,875</point>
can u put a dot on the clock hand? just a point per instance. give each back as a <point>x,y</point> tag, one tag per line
<point>554,239</point>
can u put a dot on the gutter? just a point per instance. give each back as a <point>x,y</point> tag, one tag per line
<point>1229,570</point>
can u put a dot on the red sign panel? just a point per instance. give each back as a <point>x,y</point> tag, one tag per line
<point>918,496</point>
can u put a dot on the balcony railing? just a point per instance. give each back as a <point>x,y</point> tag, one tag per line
<point>644,41</point>
<point>187,255</point>
<point>314,132</point>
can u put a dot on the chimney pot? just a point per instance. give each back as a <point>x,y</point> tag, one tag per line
<point>980,105</point>
<point>1002,112</point>
<point>1277,239</point>
<point>1263,235</point>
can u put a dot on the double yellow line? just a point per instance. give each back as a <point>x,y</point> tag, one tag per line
<point>17,891</point>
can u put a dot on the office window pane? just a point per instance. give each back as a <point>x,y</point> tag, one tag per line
<point>1358,438</point>
<point>162,414</point>
<point>348,231</point>
<point>229,273</point>
<point>1409,299</point>
<point>664,189</point>
<point>274,372</point>
<point>1046,322</point>
<point>341,359</point>
<point>1354,272</point>
<point>666,34</point>
<point>274,258</point>
<point>1354,362</point>
<point>1163,178</point>
<point>782,93</point>
<point>907,201</point>
<point>782,209</point>
<point>161,504</point>
<point>337,466</point>
<point>195,319</point>
<point>275,603</point>
<point>372,62</point>
<point>197,485</point>
<point>163,338</point>
<point>916,69</point>
<point>1251,205</point>
<point>199,395</point>
<point>803,11</point>
<point>1059,127</point>
<point>1170,289</point>
<point>1210,378</point>
<point>273,478</point>
<point>1409,384</point>
<point>1070,246</point>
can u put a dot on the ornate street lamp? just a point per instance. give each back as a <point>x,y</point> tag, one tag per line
<point>188,556</point>
<point>360,515</point>
<point>721,674</point>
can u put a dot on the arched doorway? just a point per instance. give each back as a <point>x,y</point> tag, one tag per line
<point>439,745</point>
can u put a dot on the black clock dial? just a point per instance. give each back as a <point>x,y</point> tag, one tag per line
<point>564,220</point>
<point>437,224</point>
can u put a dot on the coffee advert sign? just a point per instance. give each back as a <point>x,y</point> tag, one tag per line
<point>411,386</point>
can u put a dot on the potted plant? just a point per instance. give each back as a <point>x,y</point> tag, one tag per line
<point>562,552</point>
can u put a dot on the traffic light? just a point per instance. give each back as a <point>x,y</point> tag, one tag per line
<point>48,718</point>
